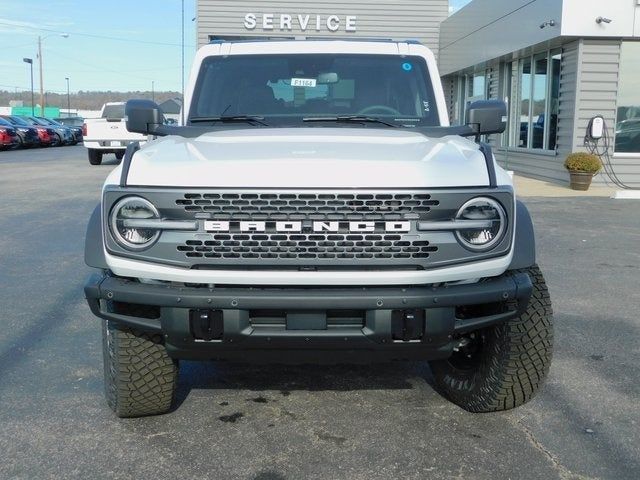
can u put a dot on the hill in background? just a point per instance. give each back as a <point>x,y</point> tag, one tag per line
<point>83,100</point>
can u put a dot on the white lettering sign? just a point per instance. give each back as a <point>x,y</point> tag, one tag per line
<point>252,226</point>
<point>212,226</point>
<point>301,22</point>
<point>398,226</point>
<point>362,226</point>
<point>289,226</point>
<point>326,226</point>
<point>296,226</point>
<point>267,21</point>
<point>250,21</point>
<point>333,23</point>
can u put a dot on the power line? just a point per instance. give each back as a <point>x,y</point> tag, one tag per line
<point>92,35</point>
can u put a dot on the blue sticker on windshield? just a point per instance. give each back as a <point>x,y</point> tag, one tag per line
<point>407,67</point>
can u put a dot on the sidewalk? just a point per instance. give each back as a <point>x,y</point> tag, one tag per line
<point>528,187</point>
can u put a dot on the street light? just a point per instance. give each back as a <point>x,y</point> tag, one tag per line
<point>68,99</point>
<point>30,62</point>
<point>42,101</point>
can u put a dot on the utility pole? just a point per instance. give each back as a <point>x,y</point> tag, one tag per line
<point>30,62</point>
<point>68,98</point>
<point>41,84</point>
<point>153,91</point>
<point>42,99</point>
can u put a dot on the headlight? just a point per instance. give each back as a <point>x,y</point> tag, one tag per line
<point>133,208</point>
<point>485,238</point>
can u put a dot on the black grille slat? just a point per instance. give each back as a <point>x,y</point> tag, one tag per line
<point>298,206</point>
<point>311,246</point>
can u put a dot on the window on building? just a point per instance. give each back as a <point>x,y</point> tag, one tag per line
<point>554,99</point>
<point>525,102</point>
<point>472,88</point>
<point>534,121</point>
<point>507,79</point>
<point>477,87</point>
<point>628,118</point>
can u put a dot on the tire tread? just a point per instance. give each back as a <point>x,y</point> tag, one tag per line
<point>516,364</point>
<point>140,377</point>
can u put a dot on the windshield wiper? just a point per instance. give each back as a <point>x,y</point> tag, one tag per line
<point>349,119</point>
<point>230,119</point>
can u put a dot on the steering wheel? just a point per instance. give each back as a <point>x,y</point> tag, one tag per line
<point>379,109</point>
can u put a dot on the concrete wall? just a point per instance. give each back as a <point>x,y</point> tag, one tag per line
<point>398,20</point>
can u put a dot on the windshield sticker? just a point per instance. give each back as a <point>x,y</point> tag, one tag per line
<point>303,82</point>
<point>407,67</point>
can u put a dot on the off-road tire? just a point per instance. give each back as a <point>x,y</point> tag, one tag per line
<point>119,155</point>
<point>512,362</point>
<point>95,157</point>
<point>139,377</point>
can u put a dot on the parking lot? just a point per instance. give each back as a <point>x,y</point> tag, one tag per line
<point>277,422</point>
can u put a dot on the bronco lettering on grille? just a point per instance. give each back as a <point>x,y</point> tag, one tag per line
<point>298,226</point>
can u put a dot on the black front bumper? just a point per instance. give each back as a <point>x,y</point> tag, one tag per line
<point>305,334</point>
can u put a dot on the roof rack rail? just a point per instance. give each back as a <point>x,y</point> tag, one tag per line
<point>218,41</point>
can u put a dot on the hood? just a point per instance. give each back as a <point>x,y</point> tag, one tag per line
<point>313,157</point>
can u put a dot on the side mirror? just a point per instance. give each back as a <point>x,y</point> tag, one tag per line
<point>487,116</point>
<point>143,116</point>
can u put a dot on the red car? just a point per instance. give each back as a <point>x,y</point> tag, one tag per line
<point>8,137</point>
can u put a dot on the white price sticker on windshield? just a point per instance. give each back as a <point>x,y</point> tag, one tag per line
<point>303,82</point>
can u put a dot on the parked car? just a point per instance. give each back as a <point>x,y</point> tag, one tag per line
<point>75,132</point>
<point>8,137</point>
<point>70,121</point>
<point>75,124</point>
<point>63,133</point>
<point>46,135</point>
<point>27,136</point>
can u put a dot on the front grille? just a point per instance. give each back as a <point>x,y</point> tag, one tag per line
<point>342,246</point>
<point>307,246</point>
<point>301,206</point>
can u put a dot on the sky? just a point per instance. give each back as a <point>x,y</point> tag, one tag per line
<point>457,4</point>
<point>118,45</point>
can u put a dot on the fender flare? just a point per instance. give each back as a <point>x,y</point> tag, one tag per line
<point>524,245</point>
<point>93,242</point>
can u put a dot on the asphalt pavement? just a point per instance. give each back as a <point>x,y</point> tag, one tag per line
<point>275,422</point>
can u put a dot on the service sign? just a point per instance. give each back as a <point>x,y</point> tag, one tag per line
<point>286,22</point>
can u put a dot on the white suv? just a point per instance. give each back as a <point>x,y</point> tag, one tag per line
<point>317,206</point>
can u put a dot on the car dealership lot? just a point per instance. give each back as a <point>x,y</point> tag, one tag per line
<point>276,422</point>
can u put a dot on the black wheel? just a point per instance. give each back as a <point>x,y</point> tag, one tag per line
<point>58,142</point>
<point>119,155</point>
<point>140,378</point>
<point>95,157</point>
<point>501,367</point>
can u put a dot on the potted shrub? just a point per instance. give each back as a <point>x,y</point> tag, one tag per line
<point>582,167</point>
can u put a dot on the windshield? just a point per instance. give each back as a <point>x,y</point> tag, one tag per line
<point>17,121</point>
<point>113,111</point>
<point>286,89</point>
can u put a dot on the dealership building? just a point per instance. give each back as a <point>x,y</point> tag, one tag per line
<point>557,63</point>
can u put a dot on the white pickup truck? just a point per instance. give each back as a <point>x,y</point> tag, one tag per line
<point>317,207</point>
<point>108,134</point>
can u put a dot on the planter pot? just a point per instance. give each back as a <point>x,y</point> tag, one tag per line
<point>580,180</point>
